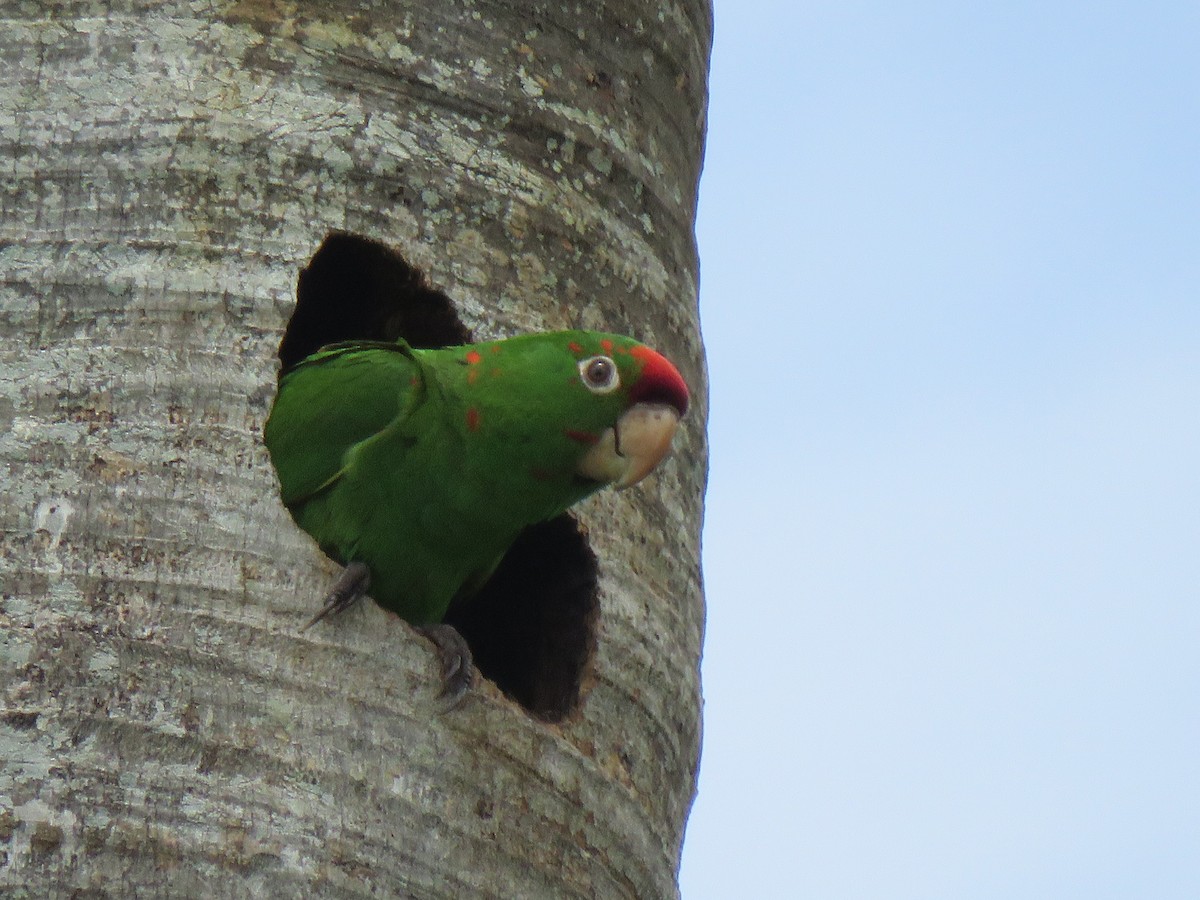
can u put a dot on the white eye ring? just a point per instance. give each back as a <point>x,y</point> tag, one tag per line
<point>599,374</point>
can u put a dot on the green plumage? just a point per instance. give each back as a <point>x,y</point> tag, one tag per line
<point>426,464</point>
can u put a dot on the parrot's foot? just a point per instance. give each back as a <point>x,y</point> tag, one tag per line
<point>350,587</point>
<point>458,666</point>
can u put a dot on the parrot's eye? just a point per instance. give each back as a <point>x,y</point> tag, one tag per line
<point>599,373</point>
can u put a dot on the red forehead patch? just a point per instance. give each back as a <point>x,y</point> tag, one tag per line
<point>660,382</point>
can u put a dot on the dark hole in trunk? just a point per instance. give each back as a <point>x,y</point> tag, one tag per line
<point>355,289</point>
<point>531,628</point>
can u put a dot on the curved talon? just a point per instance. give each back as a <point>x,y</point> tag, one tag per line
<point>350,587</point>
<point>458,666</point>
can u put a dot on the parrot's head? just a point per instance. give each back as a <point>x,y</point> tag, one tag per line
<point>597,409</point>
<point>630,401</point>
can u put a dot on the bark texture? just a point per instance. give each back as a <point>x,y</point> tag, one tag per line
<point>167,169</point>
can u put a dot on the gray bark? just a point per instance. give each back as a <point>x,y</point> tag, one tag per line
<point>166,170</point>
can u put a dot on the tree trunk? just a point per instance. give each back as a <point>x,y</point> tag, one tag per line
<point>167,169</point>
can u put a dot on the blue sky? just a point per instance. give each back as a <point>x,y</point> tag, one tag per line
<point>950,262</point>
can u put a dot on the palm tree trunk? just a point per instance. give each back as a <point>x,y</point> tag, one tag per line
<point>167,170</point>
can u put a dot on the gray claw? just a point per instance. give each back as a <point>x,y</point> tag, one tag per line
<point>458,667</point>
<point>350,587</point>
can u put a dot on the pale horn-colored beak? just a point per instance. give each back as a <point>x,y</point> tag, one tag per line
<point>630,450</point>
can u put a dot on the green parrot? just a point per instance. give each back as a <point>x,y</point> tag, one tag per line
<point>417,469</point>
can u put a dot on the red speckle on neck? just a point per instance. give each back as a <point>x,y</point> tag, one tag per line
<point>581,437</point>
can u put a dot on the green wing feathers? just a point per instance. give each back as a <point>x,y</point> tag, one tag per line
<point>333,401</point>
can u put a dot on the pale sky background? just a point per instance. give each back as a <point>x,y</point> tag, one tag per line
<point>951,297</point>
